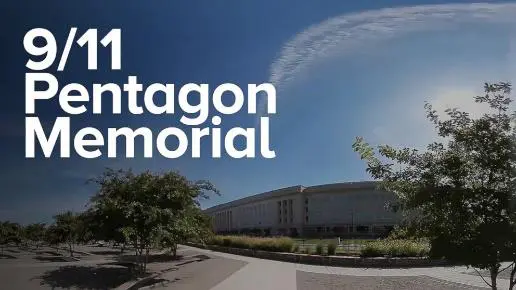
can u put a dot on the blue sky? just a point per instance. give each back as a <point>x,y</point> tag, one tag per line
<point>342,69</point>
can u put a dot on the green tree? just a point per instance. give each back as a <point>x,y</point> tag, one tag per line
<point>10,233</point>
<point>148,208</point>
<point>188,225</point>
<point>68,228</point>
<point>105,223</point>
<point>53,236</point>
<point>35,233</point>
<point>459,192</point>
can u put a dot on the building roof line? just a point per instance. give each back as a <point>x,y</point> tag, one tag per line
<point>291,190</point>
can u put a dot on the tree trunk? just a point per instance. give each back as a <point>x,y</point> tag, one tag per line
<point>494,273</point>
<point>146,261</point>
<point>140,260</point>
<point>511,279</point>
<point>174,250</point>
<point>70,248</point>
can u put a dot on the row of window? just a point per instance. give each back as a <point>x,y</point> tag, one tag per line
<point>223,219</point>
<point>306,210</point>
<point>286,211</point>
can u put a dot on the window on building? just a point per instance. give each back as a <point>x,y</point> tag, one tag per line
<point>362,229</point>
<point>306,200</point>
<point>306,218</point>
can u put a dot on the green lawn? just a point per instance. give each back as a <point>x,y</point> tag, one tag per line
<point>314,241</point>
<point>350,247</point>
<point>334,240</point>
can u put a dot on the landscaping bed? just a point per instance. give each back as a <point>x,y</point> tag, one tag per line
<point>378,253</point>
<point>342,261</point>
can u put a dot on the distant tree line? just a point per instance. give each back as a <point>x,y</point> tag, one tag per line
<point>138,210</point>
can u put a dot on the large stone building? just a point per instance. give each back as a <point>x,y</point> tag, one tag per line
<point>341,209</point>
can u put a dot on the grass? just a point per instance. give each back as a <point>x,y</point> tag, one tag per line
<point>328,241</point>
<point>351,247</point>
<point>281,244</point>
<point>395,248</point>
<point>314,241</point>
<point>347,247</point>
<point>319,249</point>
<point>331,249</point>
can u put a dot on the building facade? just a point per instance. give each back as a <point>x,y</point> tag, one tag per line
<point>341,209</point>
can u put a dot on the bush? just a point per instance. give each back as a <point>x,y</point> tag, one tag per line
<point>255,243</point>
<point>332,248</point>
<point>395,248</point>
<point>319,249</point>
<point>399,233</point>
<point>296,248</point>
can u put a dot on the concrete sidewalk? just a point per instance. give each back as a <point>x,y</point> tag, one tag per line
<point>260,275</point>
<point>266,274</point>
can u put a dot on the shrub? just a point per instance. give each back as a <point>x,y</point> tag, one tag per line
<point>255,243</point>
<point>296,248</point>
<point>373,249</point>
<point>332,248</point>
<point>395,248</point>
<point>399,233</point>
<point>319,249</point>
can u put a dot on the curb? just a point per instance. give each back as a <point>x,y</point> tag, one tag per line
<point>338,261</point>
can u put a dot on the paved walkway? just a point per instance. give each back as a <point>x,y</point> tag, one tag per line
<point>259,274</point>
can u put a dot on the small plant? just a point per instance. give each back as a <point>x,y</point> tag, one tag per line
<point>307,251</point>
<point>332,248</point>
<point>256,243</point>
<point>319,249</point>
<point>295,249</point>
<point>396,248</point>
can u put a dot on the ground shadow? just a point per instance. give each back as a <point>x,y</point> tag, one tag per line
<point>44,252</point>
<point>130,266</point>
<point>84,277</point>
<point>505,274</point>
<point>151,282</point>
<point>5,256</point>
<point>158,258</point>
<point>105,252</point>
<point>202,257</point>
<point>50,259</point>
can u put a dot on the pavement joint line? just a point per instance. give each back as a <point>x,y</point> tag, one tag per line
<point>446,282</point>
<point>442,274</point>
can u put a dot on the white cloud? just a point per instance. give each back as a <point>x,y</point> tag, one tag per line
<point>404,123</point>
<point>343,34</point>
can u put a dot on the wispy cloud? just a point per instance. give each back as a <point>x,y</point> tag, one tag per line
<point>343,34</point>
